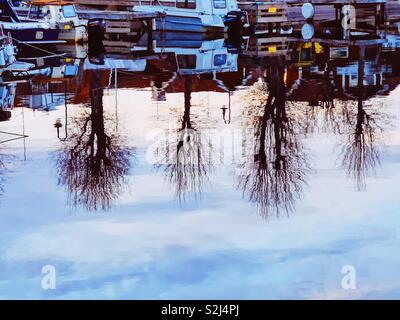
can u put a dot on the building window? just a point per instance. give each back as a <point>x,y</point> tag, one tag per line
<point>68,11</point>
<point>36,12</point>
<point>187,4</point>
<point>219,4</point>
<point>186,61</point>
<point>219,60</point>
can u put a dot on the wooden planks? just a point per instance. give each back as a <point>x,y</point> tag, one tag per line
<point>265,12</point>
<point>267,47</point>
<point>115,26</point>
<point>116,15</point>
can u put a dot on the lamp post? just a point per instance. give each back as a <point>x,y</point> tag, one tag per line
<point>58,125</point>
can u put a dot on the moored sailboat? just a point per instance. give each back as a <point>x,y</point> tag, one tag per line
<point>59,14</point>
<point>31,32</point>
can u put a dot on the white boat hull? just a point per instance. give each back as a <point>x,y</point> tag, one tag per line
<point>184,20</point>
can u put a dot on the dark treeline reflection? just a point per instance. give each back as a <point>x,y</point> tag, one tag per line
<point>182,157</point>
<point>93,163</point>
<point>276,174</point>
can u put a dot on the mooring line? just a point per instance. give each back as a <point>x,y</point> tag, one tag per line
<point>8,140</point>
<point>33,46</point>
<point>15,134</point>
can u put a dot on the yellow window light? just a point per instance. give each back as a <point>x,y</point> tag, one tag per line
<point>318,48</point>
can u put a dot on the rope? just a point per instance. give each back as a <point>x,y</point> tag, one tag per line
<point>45,57</point>
<point>32,46</point>
<point>14,134</point>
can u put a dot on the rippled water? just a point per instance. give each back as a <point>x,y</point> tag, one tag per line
<point>205,173</point>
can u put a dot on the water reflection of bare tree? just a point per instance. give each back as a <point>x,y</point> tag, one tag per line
<point>183,159</point>
<point>323,116</point>
<point>2,172</point>
<point>93,163</point>
<point>275,177</point>
<point>360,152</point>
<point>5,161</point>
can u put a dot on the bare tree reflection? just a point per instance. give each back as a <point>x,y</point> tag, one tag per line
<point>360,153</point>
<point>2,173</point>
<point>183,159</point>
<point>275,178</point>
<point>93,163</point>
<point>323,116</point>
<point>5,162</point>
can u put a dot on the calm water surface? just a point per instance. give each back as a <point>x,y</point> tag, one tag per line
<point>204,173</point>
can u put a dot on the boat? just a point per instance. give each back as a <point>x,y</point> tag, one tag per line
<point>54,67</point>
<point>28,32</point>
<point>205,16</point>
<point>8,61</point>
<point>194,57</point>
<point>210,57</point>
<point>59,14</point>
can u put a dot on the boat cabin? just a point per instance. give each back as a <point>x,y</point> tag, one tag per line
<point>61,14</point>
<point>52,11</point>
<point>211,57</point>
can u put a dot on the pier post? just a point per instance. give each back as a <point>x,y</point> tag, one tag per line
<point>149,23</point>
<point>379,15</point>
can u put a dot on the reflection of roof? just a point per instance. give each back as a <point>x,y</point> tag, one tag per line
<point>49,2</point>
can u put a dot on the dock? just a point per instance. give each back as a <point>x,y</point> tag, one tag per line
<point>123,28</point>
<point>262,14</point>
<point>87,14</point>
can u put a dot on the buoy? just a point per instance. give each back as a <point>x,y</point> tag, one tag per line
<point>307,10</point>
<point>307,31</point>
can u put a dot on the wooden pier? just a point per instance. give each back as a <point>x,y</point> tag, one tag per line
<point>87,14</point>
<point>123,28</point>
<point>262,14</point>
<point>267,47</point>
<point>265,14</point>
<point>268,14</point>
